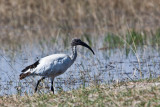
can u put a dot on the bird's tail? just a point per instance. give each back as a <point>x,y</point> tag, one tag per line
<point>23,75</point>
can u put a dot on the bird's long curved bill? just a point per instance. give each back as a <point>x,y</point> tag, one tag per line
<point>85,45</point>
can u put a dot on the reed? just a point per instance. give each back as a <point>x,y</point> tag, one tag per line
<point>30,21</point>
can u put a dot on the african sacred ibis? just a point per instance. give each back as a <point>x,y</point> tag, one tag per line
<point>53,65</point>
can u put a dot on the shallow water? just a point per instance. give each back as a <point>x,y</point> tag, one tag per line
<point>106,66</point>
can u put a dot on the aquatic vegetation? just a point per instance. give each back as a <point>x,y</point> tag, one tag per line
<point>133,37</point>
<point>113,41</point>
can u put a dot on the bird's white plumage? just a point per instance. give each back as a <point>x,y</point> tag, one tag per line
<point>52,66</point>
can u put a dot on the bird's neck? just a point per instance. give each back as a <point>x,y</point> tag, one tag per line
<point>74,53</point>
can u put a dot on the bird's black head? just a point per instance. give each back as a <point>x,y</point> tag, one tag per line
<point>76,42</point>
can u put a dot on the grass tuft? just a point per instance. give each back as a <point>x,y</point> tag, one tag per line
<point>138,93</point>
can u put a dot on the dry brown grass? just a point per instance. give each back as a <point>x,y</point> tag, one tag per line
<point>28,19</point>
<point>141,93</point>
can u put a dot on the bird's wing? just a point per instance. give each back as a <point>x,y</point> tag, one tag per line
<point>31,66</point>
<point>44,64</point>
<point>52,64</point>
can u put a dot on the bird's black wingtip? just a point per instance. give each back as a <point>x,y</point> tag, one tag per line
<point>31,66</point>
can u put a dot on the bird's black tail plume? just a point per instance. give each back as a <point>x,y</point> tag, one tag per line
<point>23,75</point>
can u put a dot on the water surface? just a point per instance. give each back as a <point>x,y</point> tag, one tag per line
<point>105,67</point>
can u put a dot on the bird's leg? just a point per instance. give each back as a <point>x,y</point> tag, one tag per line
<point>52,88</point>
<point>38,83</point>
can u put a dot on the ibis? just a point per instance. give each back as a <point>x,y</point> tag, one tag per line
<point>53,65</point>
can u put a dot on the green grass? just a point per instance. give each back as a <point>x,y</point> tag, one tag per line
<point>113,41</point>
<point>156,38</point>
<point>138,93</point>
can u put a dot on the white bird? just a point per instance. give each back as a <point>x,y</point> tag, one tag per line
<point>53,65</point>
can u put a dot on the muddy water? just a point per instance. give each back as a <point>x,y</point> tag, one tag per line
<point>105,67</point>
